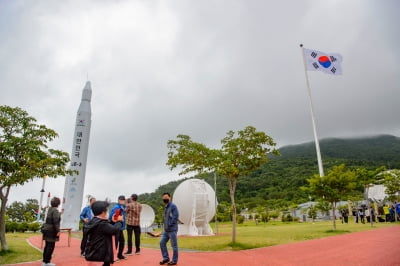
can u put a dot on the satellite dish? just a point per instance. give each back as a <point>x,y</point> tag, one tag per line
<point>195,200</point>
<point>146,216</point>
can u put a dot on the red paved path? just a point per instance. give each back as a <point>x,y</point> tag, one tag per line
<point>378,247</point>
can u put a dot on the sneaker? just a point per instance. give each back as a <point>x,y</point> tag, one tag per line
<point>122,258</point>
<point>48,264</point>
<point>164,262</point>
<point>172,263</point>
<point>137,253</point>
<point>128,253</point>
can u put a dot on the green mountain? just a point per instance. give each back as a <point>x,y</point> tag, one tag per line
<point>277,183</point>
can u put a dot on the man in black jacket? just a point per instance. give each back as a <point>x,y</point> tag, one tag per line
<point>99,230</point>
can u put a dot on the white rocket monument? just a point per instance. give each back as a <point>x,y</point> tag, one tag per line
<point>74,184</point>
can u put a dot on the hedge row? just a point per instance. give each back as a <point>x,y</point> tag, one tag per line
<point>22,227</point>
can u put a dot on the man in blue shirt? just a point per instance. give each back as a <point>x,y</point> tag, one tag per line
<point>86,216</point>
<point>171,216</point>
<point>116,211</point>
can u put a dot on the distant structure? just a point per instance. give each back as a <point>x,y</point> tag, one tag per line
<point>74,184</point>
<point>147,217</point>
<point>377,193</point>
<point>195,200</point>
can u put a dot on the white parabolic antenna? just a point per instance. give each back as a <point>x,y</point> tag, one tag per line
<point>146,216</point>
<point>195,200</point>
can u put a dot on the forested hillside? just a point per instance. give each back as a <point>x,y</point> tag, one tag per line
<point>277,184</point>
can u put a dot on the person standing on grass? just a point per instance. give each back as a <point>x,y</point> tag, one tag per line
<point>99,231</point>
<point>51,231</point>
<point>361,214</point>
<point>368,214</point>
<point>386,212</point>
<point>86,216</point>
<point>171,216</point>
<point>119,210</point>
<point>133,210</point>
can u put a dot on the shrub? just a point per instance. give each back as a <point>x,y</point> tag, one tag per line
<point>11,227</point>
<point>22,227</point>
<point>34,227</point>
<point>287,218</point>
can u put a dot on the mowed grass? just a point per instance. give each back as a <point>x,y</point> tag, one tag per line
<point>249,235</point>
<point>19,249</point>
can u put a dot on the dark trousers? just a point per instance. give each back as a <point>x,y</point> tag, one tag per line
<point>136,230</point>
<point>83,242</point>
<point>48,251</point>
<point>120,242</point>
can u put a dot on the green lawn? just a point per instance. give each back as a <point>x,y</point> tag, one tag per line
<point>249,235</point>
<point>19,249</point>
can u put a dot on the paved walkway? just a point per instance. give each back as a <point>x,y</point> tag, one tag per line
<point>378,247</point>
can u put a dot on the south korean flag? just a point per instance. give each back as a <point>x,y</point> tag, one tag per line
<point>328,63</point>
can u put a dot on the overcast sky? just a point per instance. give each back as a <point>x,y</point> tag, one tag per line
<point>201,68</point>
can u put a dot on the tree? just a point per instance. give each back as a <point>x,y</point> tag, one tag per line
<point>24,155</point>
<point>20,212</point>
<point>333,187</point>
<point>392,184</point>
<point>312,212</point>
<point>31,209</point>
<point>16,211</point>
<point>240,154</point>
<point>323,206</point>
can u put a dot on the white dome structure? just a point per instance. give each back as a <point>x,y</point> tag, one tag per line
<point>146,218</point>
<point>195,200</point>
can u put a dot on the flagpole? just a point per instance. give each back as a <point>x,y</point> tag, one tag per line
<point>320,166</point>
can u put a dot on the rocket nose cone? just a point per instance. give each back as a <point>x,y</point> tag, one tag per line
<point>88,86</point>
<point>87,92</point>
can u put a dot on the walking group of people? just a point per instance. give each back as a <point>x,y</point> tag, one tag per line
<point>100,225</point>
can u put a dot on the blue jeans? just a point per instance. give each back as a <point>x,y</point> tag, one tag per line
<point>174,243</point>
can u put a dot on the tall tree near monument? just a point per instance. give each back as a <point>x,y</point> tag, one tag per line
<point>333,187</point>
<point>24,155</point>
<point>240,154</point>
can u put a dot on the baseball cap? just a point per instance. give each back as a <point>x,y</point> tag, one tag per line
<point>122,197</point>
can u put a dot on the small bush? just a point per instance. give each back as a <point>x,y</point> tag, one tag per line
<point>240,219</point>
<point>34,227</point>
<point>11,227</point>
<point>23,227</point>
<point>287,218</point>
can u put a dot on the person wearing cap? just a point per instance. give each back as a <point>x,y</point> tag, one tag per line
<point>86,216</point>
<point>133,210</point>
<point>116,211</point>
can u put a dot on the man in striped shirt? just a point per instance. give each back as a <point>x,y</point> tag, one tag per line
<point>133,210</point>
